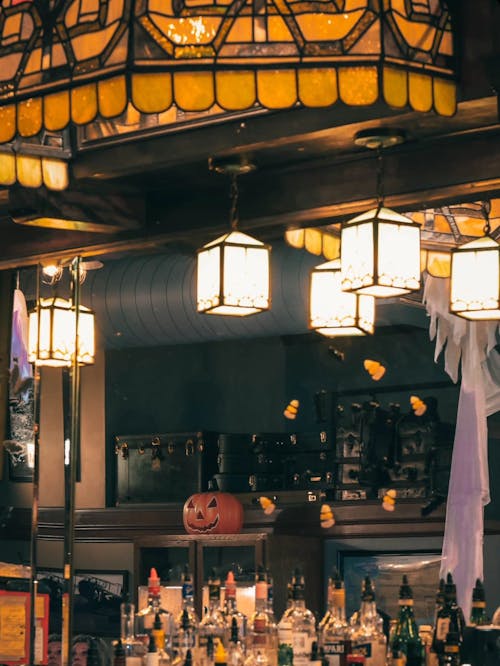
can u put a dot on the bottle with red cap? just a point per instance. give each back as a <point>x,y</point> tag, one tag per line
<point>153,619</point>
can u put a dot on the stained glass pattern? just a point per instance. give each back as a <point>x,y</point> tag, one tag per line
<point>72,60</point>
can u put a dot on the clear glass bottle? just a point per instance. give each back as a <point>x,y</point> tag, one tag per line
<point>236,649</point>
<point>127,624</point>
<point>405,638</point>
<point>186,622</point>
<point>285,624</point>
<point>478,617</point>
<point>449,618</point>
<point>334,634</point>
<point>303,623</point>
<point>231,611</point>
<point>213,622</point>
<point>145,618</point>
<point>262,635</point>
<point>367,637</point>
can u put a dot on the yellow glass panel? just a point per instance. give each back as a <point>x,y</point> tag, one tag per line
<point>316,26</point>
<point>112,96</point>
<point>29,170</point>
<point>235,90</point>
<point>241,30</point>
<point>420,91</point>
<point>331,246</point>
<point>318,87</point>
<point>55,174</point>
<point>84,104</point>
<point>277,30</point>
<point>29,117</point>
<point>152,93</point>
<point>313,241</point>
<point>194,91</point>
<point>358,86</point>
<point>56,114</point>
<point>277,89</point>
<point>7,123</point>
<point>439,264</point>
<point>7,169</point>
<point>395,87</point>
<point>445,97</point>
<point>295,238</point>
<point>423,260</point>
<point>418,34</point>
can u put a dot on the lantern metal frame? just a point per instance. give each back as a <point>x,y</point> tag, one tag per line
<point>356,324</point>
<point>478,248</point>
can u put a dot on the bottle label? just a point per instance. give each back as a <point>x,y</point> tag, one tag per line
<point>442,628</point>
<point>301,645</point>
<point>336,652</point>
<point>479,604</point>
<point>285,633</point>
<point>363,648</point>
<point>187,590</point>
<point>405,602</point>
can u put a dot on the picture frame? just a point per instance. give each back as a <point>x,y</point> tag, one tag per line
<point>97,598</point>
<point>386,568</point>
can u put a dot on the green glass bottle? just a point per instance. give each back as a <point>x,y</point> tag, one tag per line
<point>478,617</point>
<point>449,618</point>
<point>451,651</point>
<point>405,637</point>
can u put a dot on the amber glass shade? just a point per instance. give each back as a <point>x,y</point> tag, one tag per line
<point>380,253</point>
<point>233,276</point>
<point>51,334</point>
<point>475,280</point>
<point>333,312</point>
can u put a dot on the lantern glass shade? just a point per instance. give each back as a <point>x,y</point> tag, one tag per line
<point>475,280</point>
<point>334,312</point>
<point>233,276</point>
<point>380,254</point>
<point>51,334</point>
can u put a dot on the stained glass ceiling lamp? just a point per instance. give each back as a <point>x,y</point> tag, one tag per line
<point>233,273</point>
<point>380,249</point>
<point>333,312</point>
<point>70,62</point>
<point>475,277</point>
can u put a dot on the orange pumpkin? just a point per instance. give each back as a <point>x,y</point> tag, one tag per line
<point>212,513</point>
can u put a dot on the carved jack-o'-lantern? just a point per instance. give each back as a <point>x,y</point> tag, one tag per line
<point>212,513</point>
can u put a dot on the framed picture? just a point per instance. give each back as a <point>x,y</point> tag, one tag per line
<point>386,570</point>
<point>97,598</point>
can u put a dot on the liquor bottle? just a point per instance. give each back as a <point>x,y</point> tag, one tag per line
<point>451,651</point>
<point>236,650</point>
<point>405,638</point>
<point>303,623</point>
<point>145,618</point>
<point>367,637</point>
<point>127,624</point>
<point>432,658</point>
<point>478,617</point>
<point>186,636</point>
<point>334,635</point>
<point>449,618</point>
<point>285,624</point>
<point>315,657</point>
<point>231,611</point>
<point>119,657</point>
<point>213,622</point>
<point>262,635</point>
<point>152,655</point>
<point>220,656</point>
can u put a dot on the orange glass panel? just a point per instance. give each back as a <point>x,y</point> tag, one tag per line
<point>84,104</point>
<point>112,96</point>
<point>152,93</point>
<point>55,174</point>
<point>29,117</point>
<point>277,30</point>
<point>7,168</point>
<point>358,86</point>
<point>395,87</point>
<point>56,113</point>
<point>314,241</point>
<point>295,237</point>
<point>331,246</point>
<point>7,123</point>
<point>445,97</point>
<point>194,91</point>
<point>318,87</point>
<point>235,90</point>
<point>319,27</point>
<point>276,89</point>
<point>420,91</point>
<point>29,171</point>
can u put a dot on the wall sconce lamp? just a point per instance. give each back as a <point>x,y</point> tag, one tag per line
<point>233,274</point>
<point>333,312</point>
<point>475,277</point>
<point>380,249</point>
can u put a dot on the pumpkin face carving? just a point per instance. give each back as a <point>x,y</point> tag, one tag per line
<point>212,513</point>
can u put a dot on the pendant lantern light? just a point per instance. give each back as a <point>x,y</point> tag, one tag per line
<point>233,273</point>
<point>333,312</point>
<point>380,249</point>
<point>475,277</point>
<point>51,333</point>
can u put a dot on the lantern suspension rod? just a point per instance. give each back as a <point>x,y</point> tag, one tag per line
<point>485,207</point>
<point>233,211</point>
<point>380,177</point>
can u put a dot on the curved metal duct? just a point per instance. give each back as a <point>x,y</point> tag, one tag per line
<point>151,300</point>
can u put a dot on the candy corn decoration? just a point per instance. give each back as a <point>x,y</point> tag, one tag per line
<point>389,500</point>
<point>326,517</point>
<point>291,410</point>
<point>375,369</point>
<point>418,405</point>
<point>267,505</point>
